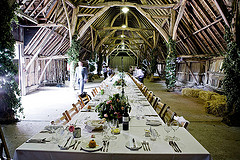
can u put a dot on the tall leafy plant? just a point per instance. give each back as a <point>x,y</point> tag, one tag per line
<point>74,51</point>
<point>231,83</point>
<point>170,68</point>
<point>10,101</point>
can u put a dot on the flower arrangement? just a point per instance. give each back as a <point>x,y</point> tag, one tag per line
<point>113,108</point>
<point>119,82</point>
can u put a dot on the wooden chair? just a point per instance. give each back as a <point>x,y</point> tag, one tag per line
<point>62,120</point>
<point>3,146</point>
<point>93,93</point>
<point>159,108</point>
<point>149,96</point>
<point>79,105</point>
<point>168,115</point>
<point>144,90</point>
<point>72,112</point>
<point>84,99</point>
<point>154,101</point>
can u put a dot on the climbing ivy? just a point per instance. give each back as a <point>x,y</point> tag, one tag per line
<point>170,68</point>
<point>231,82</point>
<point>74,51</point>
<point>10,101</point>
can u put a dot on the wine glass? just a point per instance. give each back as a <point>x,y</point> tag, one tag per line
<point>167,128</point>
<point>112,125</point>
<point>105,131</point>
<point>175,125</point>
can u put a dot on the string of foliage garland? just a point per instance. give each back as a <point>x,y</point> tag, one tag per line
<point>170,68</point>
<point>74,50</point>
<point>231,83</point>
<point>10,104</point>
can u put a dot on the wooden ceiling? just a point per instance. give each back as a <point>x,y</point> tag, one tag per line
<point>196,25</point>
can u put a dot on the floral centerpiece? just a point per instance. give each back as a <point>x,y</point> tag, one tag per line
<point>119,82</point>
<point>113,108</point>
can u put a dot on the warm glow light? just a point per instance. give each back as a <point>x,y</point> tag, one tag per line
<point>122,36</point>
<point>123,47</point>
<point>125,9</point>
<point>124,26</point>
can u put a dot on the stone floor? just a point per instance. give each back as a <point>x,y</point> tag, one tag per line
<point>47,103</point>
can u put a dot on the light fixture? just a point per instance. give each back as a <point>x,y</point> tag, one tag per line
<point>124,26</point>
<point>125,9</point>
<point>122,42</point>
<point>123,47</point>
<point>122,36</point>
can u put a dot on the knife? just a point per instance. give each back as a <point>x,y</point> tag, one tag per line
<point>67,141</point>
<point>107,146</point>
<point>134,144</point>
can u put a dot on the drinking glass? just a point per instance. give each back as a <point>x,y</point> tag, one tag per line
<point>105,131</point>
<point>112,125</point>
<point>167,128</point>
<point>175,125</point>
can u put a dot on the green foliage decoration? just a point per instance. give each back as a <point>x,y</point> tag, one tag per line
<point>170,68</point>
<point>74,51</point>
<point>231,82</point>
<point>10,100</point>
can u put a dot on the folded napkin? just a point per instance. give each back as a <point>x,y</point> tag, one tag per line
<point>153,121</point>
<point>180,120</point>
<point>39,140</point>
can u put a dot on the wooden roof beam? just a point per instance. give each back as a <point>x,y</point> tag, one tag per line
<point>221,12</point>
<point>134,5</point>
<point>144,40</point>
<point>179,17</point>
<point>84,15</point>
<point>127,4</point>
<point>21,14</point>
<point>125,29</point>
<point>104,39</point>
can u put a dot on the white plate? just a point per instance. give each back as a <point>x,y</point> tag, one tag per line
<point>129,145</point>
<point>85,147</point>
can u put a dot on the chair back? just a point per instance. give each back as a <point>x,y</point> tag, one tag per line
<point>168,115</point>
<point>84,99</point>
<point>154,101</point>
<point>62,120</point>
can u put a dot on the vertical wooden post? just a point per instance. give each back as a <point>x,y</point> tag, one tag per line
<point>22,73</point>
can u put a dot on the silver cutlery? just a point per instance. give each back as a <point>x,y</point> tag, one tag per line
<point>77,144</point>
<point>177,146</point>
<point>67,141</point>
<point>148,146</point>
<point>104,146</point>
<point>134,144</point>
<point>143,145</point>
<point>73,146</point>
<point>107,146</point>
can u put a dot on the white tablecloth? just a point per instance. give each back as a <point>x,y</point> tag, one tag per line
<point>141,110</point>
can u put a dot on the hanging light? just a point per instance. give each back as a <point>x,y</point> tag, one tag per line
<point>123,47</point>
<point>124,26</point>
<point>122,36</point>
<point>125,9</point>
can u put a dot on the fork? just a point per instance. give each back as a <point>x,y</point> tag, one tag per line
<point>104,146</point>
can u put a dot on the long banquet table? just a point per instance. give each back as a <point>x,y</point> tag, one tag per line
<point>140,112</point>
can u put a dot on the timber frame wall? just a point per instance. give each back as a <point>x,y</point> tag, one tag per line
<point>205,72</point>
